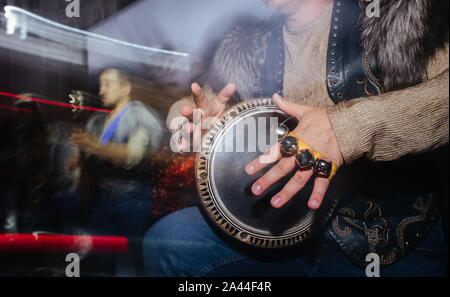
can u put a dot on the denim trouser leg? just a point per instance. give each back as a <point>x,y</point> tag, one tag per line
<point>133,219</point>
<point>130,217</point>
<point>184,244</point>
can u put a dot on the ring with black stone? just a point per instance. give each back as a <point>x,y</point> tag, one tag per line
<point>305,159</point>
<point>288,146</point>
<point>323,167</point>
<point>282,131</point>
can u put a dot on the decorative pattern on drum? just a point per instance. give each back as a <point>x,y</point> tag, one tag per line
<point>240,135</point>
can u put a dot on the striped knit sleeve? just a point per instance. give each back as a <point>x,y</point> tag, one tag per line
<point>389,126</point>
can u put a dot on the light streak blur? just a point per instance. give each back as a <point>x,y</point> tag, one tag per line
<point>15,108</point>
<point>20,97</point>
<point>61,243</point>
<point>49,39</point>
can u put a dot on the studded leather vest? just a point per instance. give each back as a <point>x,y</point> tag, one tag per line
<point>385,207</point>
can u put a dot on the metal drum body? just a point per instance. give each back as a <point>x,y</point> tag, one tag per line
<point>225,188</point>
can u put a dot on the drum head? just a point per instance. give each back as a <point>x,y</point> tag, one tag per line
<point>245,132</point>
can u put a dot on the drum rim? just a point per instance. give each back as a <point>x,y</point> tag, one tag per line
<point>212,206</point>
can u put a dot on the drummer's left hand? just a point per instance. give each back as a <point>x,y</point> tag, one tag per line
<point>315,129</point>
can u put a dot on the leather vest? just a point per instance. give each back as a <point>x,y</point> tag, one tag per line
<point>385,207</point>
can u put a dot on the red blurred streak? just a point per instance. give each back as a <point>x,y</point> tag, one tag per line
<point>62,243</point>
<point>52,102</point>
<point>15,108</point>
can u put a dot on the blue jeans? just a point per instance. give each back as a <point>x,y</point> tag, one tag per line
<point>130,216</point>
<point>183,244</point>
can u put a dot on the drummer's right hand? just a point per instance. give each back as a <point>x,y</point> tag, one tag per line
<point>208,108</point>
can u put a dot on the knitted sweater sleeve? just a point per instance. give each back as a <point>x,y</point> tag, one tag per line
<point>389,126</point>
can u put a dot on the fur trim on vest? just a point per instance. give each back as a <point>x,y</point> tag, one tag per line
<point>403,39</point>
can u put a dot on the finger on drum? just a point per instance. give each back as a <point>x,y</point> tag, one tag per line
<point>320,188</point>
<point>187,111</point>
<point>198,94</point>
<point>295,184</point>
<point>225,94</point>
<point>270,156</point>
<point>283,167</point>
